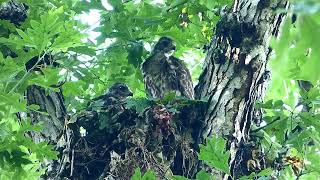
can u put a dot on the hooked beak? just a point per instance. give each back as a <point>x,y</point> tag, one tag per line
<point>130,94</point>
<point>172,47</point>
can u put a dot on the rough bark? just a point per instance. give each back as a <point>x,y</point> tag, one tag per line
<point>52,113</point>
<point>233,76</point>
<point>53,116</point>
<point>13,11</point>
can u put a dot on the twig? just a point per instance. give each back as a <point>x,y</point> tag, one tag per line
<point>27,73</point>
<point>176,5</point>
<point>256,130</point>
<point>127,1</point>
<point>72,162</point>
<point>94,74</point>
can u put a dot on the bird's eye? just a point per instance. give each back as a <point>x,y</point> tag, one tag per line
<point>123,87</point>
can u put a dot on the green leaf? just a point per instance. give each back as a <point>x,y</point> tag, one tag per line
<point>83,50</point>
<point>137,175</point>
<point>202,175</point>
<point>307,27</point>
<point>68,38</point>
<point>215,155</point>
<point>50,78</point>
<point>176,3</point>
<point>9,69</point>
<point>73,88</point>
<point>135,54</point>
<point>34,107</point>
<point>149,175</point>
<point>139,104</point>
<point>12,103</point>
<point>179,178</point>
<point>296,50</point>
<point>211,5</point>
<point>265,172</point>
<point>312,155</point>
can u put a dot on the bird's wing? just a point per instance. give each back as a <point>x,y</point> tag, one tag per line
<point>150,84</point>
<point>145,74</point>
<point>102,102</point>
<point>183,78</point>
<point>93,102</point>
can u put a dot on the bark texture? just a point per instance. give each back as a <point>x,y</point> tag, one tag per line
<point>234,75</point>
<point>13,11</point>
<point>52,113</point>
<point>53,116</point>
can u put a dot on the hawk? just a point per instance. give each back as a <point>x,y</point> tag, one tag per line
<point>116,95</point>
<point>111,106</point>
<point>164,73</point>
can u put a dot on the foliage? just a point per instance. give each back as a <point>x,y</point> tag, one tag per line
<point>264,174</point>
<point>202,175</point>
<point>149,175</point>
<point>49,33</point>
<point>215,155</point>
<point>139,104</point>
<point>291,112</point>
<point>296,49</point>
<point>132,27</point>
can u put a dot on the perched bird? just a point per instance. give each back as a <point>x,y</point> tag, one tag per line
<point>109,108</point>
<point>164,73</point>
<point>117,94</point>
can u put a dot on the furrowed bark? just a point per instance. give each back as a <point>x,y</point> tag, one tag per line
<point>52,113</point>
<point>13,11</point>
<point>233,75</point>
<point>53,116</point>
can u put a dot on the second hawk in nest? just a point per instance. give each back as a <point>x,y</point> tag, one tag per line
<point>164,73</point>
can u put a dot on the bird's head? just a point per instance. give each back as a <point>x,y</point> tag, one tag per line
<point>120,90</point>
<point>165,45</point>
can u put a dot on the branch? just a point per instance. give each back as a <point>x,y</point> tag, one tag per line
<point>27,73</point>
<point>174,5</point>
<point>127,1</point>
<point>260,128</point>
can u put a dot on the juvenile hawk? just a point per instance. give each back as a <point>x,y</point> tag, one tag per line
<point>111,107</point>
<point>164,73</point>
<point>116,95</point>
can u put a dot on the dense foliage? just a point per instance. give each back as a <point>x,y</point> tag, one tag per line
<point>126,31</point>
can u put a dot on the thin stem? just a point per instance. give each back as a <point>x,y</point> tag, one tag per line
<point>178,4</point>
<point>27,73</point>
<point>127,1</point>
<point>256,130</point>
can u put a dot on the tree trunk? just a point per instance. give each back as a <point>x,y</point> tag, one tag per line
<point>234,76</point>
<point>53,116</point>
<point>52,113</point>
